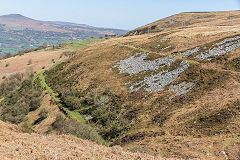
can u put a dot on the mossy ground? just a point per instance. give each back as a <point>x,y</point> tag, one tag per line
<point>76,45</point>
<point>233,64</point>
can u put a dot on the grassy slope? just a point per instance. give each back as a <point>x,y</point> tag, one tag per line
<point>68,46</point>
<point>45,86</point>
<point>187,20</point>
<point>1,99</point>
<point>152,118</point>
<point>20,64</point>
<point>41,58</point>
<point>48,52</point>
<point>75,45</point>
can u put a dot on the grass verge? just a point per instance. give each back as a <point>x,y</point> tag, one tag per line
<point>44,85</point>
<point>2,99</point>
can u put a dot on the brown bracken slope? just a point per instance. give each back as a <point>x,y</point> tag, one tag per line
<point>15,145</point>
<point>188,108</point>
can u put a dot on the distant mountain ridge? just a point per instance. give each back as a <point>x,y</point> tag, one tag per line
<point>68,23</point>
<point>19,32</point>
<point>15,16</point>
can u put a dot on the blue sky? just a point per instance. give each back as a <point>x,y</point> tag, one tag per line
<point>124,14</point>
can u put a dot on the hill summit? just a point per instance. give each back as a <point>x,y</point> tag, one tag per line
<point>15,16</point>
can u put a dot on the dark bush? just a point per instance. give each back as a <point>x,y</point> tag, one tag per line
<point>43,113</point>
<point>10,84</point>
<point>59,121</point>
<point>35,100</point>
<point>79,129</point>
<point>72,102</point>
<point>26,127</point>
<point>105,108</point>
<point>20,98</point>
<point>14,113</point>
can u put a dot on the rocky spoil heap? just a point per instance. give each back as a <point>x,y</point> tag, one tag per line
<point>157,82</point>
<point>216,49</point>
<point>137,64</point>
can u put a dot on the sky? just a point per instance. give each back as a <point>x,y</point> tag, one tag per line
<point>122,14</point>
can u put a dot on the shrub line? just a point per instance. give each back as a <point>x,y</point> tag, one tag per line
<point>72,114</point>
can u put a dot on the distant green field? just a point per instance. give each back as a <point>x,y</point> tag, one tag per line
<point>14,28</point>
<point>75,45</point>
<point>9,50</point>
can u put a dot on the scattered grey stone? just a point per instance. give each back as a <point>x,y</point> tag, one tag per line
<point>127,83</point>
<point>224,154</point>
<point>136,64</point>
<point>203,16</point>
<point>228,40</point>
<point>157,82</point>
<point>220,50</point>
<point>165,40</point>
<point>209,59</point>
<point>181,88</point>
<point>155,37</point>
<point>172,21</point>
<point>185,22</point>
<point>167,47</point>
<point>190,52</point>
<point>208,153</point>
<point>88,118</point>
